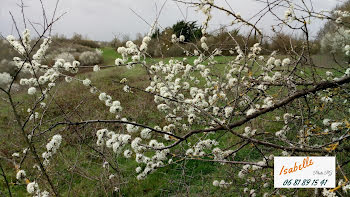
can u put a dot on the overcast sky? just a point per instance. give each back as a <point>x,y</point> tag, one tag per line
<point>102,19</point>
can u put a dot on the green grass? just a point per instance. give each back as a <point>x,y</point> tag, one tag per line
<point>109,56</point>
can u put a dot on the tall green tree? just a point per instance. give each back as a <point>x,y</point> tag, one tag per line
<point>190,30</point>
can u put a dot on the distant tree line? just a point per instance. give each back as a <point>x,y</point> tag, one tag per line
<point>161,45</point>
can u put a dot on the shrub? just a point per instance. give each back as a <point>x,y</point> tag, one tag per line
<point>68,57</point>
<point>90,58</point>
<point>8,66</point>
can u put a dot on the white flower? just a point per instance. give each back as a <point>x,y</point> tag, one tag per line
<point>347,72</point>
<point>121,50</point>
<point>250,111</point>
<point>132,128</point>
<point>228,111</point>
<point>205,46</point>
<point>103,96</point>
<point>96,68</point>
<point>326,122</point>
<point>335,125</point>
<point>141,176</point>
<point>146,39</point>
<point>138,169</point>
<point>328,193</point>
<point>115,107</point>
<point>45,194</point>
<point>31,90</point>
<point>86,82</point>
<point>196,52</point>
<point>241,174</point>
<point>51,85</point>
<point>76,63</point>
<point>52,147</point>
<point>266,185</point>
<point>287,13</point>
<point>245,190</point>
<point>326,99</point>
<point>182,38</point>
<point>119,62</point>
<point>126,88</point>
<point>32,187</point>
<point>216,183</point>
<point>136,58</point>
<point>127,153</point>
<point>278,62</point>
<point>15,155</point>
<point>146,133</point>
<point>173,38</point>
<point>287,117</point>
<point>223,184</point>
<point>329,73</point>
<point>20,174</point>
<point>346,188</point>
<point>286,62</point>
<point>189,151</point>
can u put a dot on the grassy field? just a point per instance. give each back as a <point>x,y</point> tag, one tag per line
<point>188,177</point>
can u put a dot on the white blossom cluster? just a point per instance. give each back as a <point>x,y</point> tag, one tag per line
<point>328,193</point>
<point>51,148</point>
<point>114,106</point>
<point>33,188</point>
<point>17,44</point>
<point>333,125</point>
<point>96,68</point>
<point>200,147</point>
<point>248,132</point>
<point>221,183</point>
<point>341,14</point>
<point>42,74</point>
<point>289,14</point>
<point>118,143</point>
<point>221,155</point>
<point>246,169</point>
<point>250,192</point>
<point>205,8</point>
<point>136,52</point>
<point>21,174</point>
